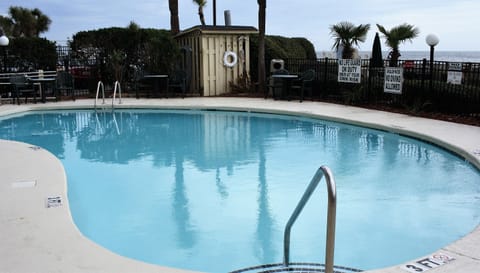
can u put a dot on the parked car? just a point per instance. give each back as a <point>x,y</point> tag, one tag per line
<point>81,72</point>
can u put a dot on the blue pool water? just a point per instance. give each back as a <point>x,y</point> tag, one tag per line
<point>212,191</point>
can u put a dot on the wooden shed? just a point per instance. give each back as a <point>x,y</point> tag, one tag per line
<point>220,56</point>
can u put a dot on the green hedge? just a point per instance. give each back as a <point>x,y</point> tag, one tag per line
<point>31,54</point>
<point>278,47</point>
<point>111,49</point>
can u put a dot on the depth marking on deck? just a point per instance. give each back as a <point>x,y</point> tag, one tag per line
<point>427,263</point>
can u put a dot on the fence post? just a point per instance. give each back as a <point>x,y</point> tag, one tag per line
<point>430,91</point>
<point>325,74</point>
<point>369,85</point>
<point>424,65</point>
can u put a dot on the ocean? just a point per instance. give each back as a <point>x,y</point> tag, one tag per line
<point>448,56</point>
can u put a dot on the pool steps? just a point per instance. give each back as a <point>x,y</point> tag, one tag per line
<point>295,267</point>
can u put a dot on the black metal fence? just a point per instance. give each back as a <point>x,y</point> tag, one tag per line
<point>88,65</point>
<point>425,85</point>
<point>83,67</point>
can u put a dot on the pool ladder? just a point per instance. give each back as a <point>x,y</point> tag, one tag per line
<point>332,207</point>
<point>101,87</point>
<point>329,266</point>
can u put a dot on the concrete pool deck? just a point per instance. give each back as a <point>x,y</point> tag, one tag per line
<point>40,239</point>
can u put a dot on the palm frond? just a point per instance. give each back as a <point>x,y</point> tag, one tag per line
<point>348,34</point>
<point>201,3</point>
<point>382,30</point>
<point>399,34</point>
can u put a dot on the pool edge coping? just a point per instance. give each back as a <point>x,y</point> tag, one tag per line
<point>464,250</point>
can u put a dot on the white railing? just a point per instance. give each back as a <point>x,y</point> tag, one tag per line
<point>100,86</point>
<point>332,208</point>
<point>119,88</point>
<point>116,89</point>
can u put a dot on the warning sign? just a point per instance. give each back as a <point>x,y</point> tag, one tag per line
<point>51,202</point>
<point>393,80</point>
<point>454,77</point>
<point>349,70</point>
<point>454,74</point>
<point>455,66</point>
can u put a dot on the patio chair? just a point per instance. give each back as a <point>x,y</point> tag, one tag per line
<point>274,84</point>
<point>304,84</point>
<point>177,80</point>
<point>21,86</point>
<point>65,84</point>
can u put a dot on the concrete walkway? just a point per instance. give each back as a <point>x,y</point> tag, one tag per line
<point>37,238</point>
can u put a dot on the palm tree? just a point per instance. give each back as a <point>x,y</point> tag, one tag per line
<point>7,24</point>
<point>395,37</point>
<point>347,35</point>
<point>24,22</point>
<point>201,4</point>
<point>42,22</point>
<point>174,21</point>
<point>262,7</point>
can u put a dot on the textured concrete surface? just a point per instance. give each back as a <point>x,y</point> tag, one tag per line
<point>35,238</point>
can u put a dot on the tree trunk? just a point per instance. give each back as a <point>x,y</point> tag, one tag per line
<point>262,7</point>
<point>174,20</point>
<point>395,55</point>
<point>200,14</point>
<point>347,52</point>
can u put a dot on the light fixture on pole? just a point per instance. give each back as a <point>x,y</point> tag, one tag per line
<point>214,12</point>
<point>432,41</point>
<point>4,43</point>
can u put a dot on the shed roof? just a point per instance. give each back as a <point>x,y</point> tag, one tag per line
<point>208,29</point>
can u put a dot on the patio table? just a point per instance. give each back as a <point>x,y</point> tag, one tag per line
<point>156,78</point>
<point>286,83</point>
<point>42,84</point>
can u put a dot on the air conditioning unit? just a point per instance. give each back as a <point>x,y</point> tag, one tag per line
<point>276,64</point>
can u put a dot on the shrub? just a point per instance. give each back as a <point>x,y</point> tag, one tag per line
<point>131,48</point>
<point>30,54</point>
<point>278,47</point>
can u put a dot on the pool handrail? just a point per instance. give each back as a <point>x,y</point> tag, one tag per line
<point>116,87</point>
<point>331,215</point>
<point>102,87</point>
<point>117,84</point>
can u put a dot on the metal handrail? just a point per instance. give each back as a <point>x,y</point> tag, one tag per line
<point>100,86</point>
<point>332,207</point>
<point>117,84</point>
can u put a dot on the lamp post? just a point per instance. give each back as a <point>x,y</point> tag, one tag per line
<point>432,41</point>
<point>4,43</point>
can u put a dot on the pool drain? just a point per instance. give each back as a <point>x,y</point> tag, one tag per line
<point>294,267</point>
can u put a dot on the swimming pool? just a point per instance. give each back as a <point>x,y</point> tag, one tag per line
<point>213,188</point>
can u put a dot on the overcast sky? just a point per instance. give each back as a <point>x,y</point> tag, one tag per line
<point>455,22</point>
